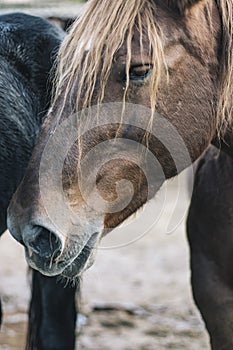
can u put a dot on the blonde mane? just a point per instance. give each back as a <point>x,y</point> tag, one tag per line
<point>84,51</point>
<point>225,103</point>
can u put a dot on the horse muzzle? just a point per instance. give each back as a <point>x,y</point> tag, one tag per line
<point>46,252</point>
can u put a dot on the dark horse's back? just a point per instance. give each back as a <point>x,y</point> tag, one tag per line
<point>28,45</point>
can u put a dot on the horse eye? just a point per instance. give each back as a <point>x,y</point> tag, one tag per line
<point>139,73</point>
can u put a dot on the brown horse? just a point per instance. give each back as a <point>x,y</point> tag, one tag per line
<point>142,88</point>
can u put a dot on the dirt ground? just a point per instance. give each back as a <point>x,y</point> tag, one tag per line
<point>141,272</point>
<point>145,283</point>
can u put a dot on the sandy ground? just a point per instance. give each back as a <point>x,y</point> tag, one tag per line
<point>146,280</point>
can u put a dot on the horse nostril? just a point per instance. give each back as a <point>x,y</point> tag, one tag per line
<point>44,243</point>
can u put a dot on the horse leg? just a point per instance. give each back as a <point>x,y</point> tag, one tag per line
<point>52,315</point>
<point>210,233</point>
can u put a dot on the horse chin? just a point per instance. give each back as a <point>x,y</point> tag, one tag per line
<point>77,267</point>
<point>83,261</point>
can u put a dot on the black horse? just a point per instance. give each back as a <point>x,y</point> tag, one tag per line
<point>28,48</point>
<point>209,225</point>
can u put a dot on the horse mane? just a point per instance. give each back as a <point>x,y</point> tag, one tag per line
<point>225,103</point>
<point>118,20</point>
<point>84,50</point>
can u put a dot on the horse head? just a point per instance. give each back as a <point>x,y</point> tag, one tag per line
<point>141,88</point>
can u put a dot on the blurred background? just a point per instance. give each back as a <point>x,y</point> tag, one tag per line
<point>59,9</point>
<point>141,271</point>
